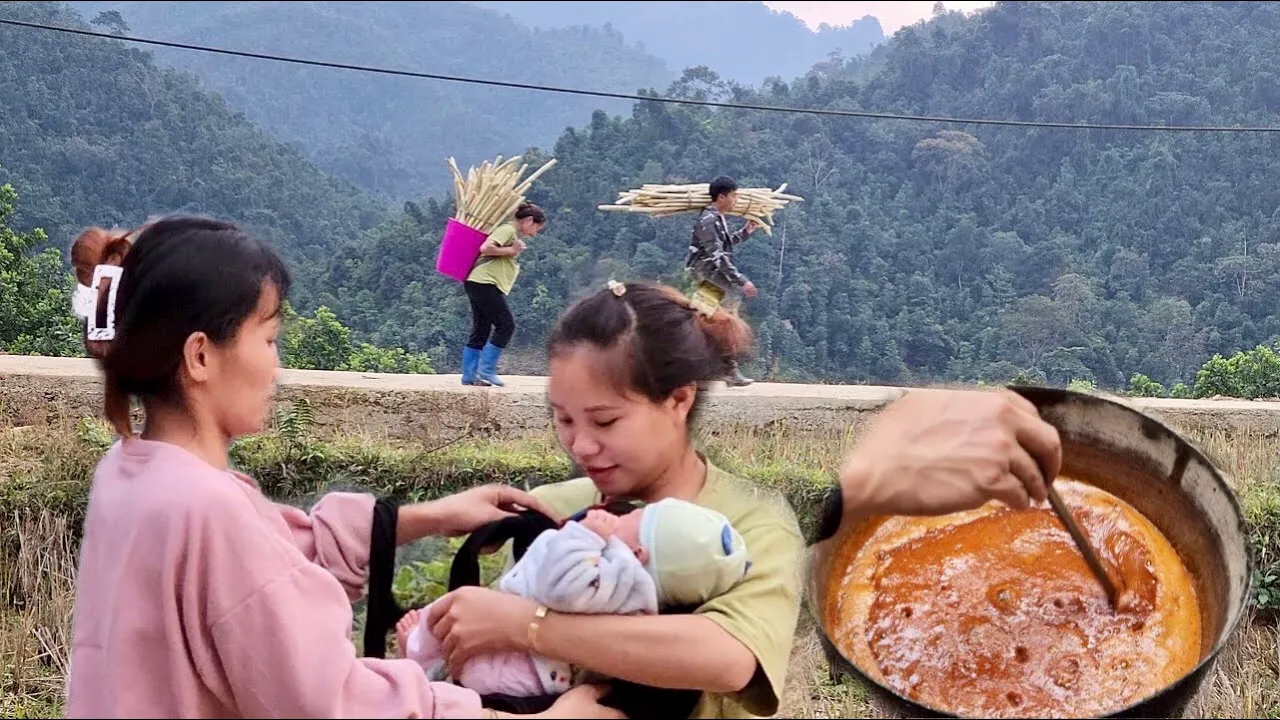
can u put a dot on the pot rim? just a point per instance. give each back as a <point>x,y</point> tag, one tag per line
<point>1059,394</point>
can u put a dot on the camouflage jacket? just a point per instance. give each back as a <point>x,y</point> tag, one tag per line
<point>710,255</point>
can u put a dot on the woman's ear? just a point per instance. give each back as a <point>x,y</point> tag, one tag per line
<point>681,400</point>
<point>195,357</point>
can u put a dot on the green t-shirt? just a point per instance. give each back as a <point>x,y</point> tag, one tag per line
<point>495,270</point>
<point>763,609</point>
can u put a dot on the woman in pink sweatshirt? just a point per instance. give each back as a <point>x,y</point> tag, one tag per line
<point>198,597</point>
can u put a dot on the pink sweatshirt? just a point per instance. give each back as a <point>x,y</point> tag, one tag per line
<point>199,598</point>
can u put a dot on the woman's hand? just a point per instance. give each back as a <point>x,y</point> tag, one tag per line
<point>582,702</point>
<point>939,451</point>
<point>463,512</point>
<point>472,621</point>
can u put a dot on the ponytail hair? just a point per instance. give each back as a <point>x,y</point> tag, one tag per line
<point>662,343</point>
<point>97,246</point>
<point>178,276</point>
<point>529,210</point>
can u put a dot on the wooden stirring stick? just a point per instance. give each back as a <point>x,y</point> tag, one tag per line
<point>1082,542</point>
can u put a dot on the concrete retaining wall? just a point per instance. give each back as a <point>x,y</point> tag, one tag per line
<point>37,391</point>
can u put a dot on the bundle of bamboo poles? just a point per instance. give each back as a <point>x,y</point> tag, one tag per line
<point>756,204</point>
<point>489,195</point>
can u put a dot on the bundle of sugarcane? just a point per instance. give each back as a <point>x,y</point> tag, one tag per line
<point>489,195</point>
<point>756,204</point>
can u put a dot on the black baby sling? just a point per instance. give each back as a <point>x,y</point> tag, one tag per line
<point>638,702</point>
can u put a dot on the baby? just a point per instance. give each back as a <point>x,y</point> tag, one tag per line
<point>669,553</point>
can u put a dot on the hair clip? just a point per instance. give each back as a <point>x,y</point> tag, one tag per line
<point>617,288</point>
<point>113,273</point>
<point>82,301</point>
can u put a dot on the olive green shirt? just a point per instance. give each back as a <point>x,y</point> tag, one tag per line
<point>498,270</point>
<point>763,609</point>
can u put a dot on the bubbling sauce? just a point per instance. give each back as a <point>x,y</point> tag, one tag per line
<point>994,612</point>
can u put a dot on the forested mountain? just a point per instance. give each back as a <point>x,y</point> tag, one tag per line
<point>924,251</point>
<point>92,132</point>
<point>929,251</point>
<point>741,41</point>
<point>391,135</point>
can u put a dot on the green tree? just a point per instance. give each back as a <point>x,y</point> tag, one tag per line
<point>370,358</point>
<point>1249,375</point>
<point>35,292</point>
<point>315,343</point>
<point>322,342</point>
<point>1142,386</point>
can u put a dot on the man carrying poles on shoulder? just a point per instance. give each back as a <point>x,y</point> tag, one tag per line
<point>710,258</point>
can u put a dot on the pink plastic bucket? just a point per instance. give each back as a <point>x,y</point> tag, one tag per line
<point>459,249</point>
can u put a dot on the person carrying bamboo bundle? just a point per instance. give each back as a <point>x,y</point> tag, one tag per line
<point>487,287</point>
<point>710,258</point>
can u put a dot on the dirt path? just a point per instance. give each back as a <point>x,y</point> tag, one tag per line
<point>814,403</point>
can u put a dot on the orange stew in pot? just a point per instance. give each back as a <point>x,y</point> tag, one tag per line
<point>994,612</point>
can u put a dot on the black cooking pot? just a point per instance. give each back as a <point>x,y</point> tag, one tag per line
<point>1149,466</point>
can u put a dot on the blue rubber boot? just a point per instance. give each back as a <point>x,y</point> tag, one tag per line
<point>488,371</point>
<point>470,362</point>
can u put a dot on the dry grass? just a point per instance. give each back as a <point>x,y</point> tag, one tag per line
<point>1244,681</point>
<point>43,474</point>
<point>810,690</point>
<point>779,447</point>
<point>35,634</point>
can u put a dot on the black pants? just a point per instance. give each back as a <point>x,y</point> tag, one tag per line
<point>489,312</point>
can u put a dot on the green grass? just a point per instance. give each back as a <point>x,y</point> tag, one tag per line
<point>1262,513</point>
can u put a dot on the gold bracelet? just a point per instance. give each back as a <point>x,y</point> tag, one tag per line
<point>538,615</point>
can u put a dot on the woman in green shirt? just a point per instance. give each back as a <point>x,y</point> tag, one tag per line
<point>625,368</point>
<point>487,288</point>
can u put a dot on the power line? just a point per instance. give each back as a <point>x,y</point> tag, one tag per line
<point>645,98</point>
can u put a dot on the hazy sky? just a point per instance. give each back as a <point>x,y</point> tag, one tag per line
<point>892,15</point>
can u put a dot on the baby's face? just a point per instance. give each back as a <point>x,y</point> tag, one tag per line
<point>628,529</point>
<point>624,527</point>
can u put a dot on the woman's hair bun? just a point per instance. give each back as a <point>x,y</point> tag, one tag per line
<point>98,246</point>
